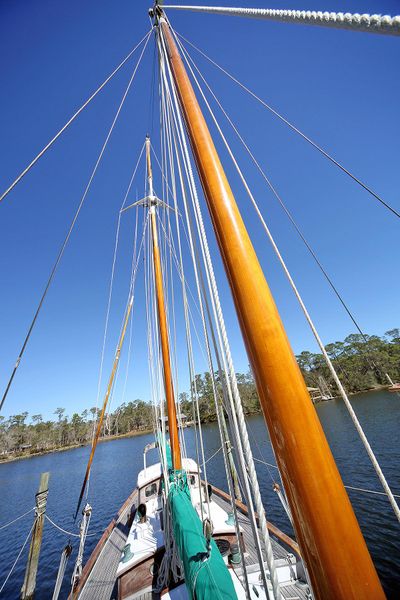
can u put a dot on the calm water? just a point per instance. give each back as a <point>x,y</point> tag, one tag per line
<point>117,463</point>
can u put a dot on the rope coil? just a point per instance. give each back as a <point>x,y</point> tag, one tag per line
<point>41,499</point>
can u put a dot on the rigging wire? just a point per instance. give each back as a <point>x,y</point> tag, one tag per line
<point>168,171</point>
<point>328,361</point>
<point>193,387</point>
<point>169,238</point>
<point>209,270</point>
<point>110,293</point>
<point>372,363</point>
<point>358,489</point>
<point>348,487</point>
<point>152,91</point>
<point>168,163</point>
<point>18,518</point>
<point>66,240</point>
<point>215,454</point>
<point>217,398</point>
<point>167,92</point>
<point>134,268</point>
<point>111,383</point>
<point>294,128</point>
<point>69,533</point>
<point>242,441</point>
<point>131,324</point>
<point>51,142</point>
<point>18,557</point>
<point>180,270</point>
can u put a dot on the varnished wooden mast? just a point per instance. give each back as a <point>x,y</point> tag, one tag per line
<point>162,321</point>
<point>328,533</point>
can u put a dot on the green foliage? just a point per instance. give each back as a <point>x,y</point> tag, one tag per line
<point>361,364</point>
<point>18,438</point>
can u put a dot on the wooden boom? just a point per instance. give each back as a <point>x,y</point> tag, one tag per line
<point>327,530</point>
<point>162,322</point>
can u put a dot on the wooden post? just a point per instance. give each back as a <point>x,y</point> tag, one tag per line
<point>327,530</point>
<point>28,587</point>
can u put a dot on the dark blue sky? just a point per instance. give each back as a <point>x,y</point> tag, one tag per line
<point>341,88</point>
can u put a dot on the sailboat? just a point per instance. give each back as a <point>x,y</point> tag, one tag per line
<point>177,535</point>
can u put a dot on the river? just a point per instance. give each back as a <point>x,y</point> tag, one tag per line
<point>117,463</point>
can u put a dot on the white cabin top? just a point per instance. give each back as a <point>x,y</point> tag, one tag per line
<point>153,472</point>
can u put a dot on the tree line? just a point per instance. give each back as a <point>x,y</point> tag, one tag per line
<point>362,363</point>
<point>21,435</point>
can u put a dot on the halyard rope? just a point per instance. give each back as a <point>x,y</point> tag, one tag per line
<point>194,393</point>
<point>383,24</point>
<point>164,90</point>
<point>84,526</point>
<point>237,410</point>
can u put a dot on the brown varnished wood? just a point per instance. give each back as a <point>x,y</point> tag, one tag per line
<point>328,533</point>
<point>162,322</point>
<point>29,585</point>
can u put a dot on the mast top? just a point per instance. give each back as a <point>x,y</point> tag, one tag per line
<point>150,200</point>
<point>156,11</point>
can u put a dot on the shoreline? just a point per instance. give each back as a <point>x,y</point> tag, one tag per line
<point>147,431</point>
<point>73,446</point>
<point>378,388</point>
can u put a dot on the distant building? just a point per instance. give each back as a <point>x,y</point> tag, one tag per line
<point>182,418</point>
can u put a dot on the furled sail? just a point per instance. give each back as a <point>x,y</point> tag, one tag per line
<point>206,574</point>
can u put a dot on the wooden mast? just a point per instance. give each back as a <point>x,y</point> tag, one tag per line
<point>162,321</point>
<point>328,533</point>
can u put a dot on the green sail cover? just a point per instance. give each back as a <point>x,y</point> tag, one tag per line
<point>205,579</point>
<point>162,442</point>
<point>168,455</point>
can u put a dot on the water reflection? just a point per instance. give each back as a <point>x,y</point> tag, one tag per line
<point>117,463</point>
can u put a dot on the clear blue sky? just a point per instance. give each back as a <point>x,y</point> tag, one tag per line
<point>341,88</point>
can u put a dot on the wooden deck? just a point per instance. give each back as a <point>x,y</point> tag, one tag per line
<point>98,580</point>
